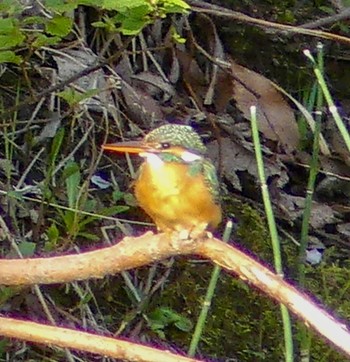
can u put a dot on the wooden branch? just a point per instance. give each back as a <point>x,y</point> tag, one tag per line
<point>216,10</point>
<point>127,254</point>
<point>328,20</point>
<point>89,342</point>
<point>135,252</point>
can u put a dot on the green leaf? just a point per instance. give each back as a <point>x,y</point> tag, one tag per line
<point>178,38</point>
<point>10,33</point>
<point>15,195</point>
<point>132,26</point>
<point>53,236</point>
<point>130,199</point>
<point>72,186</point>
<point>110,211</point>
<point>4,346</point>
<point>89,236</point>
<point>138,12</point>
<point>87,220</point>
<point>6,293</point>
<point>87,2</point>
<point>327,10</point>
<point>27,248</point>
<point>343,27</point>
<point>10,7</point>
<point>70,169</point>
<point>36,20</point>
<point>184,324</point>
<point>60,6</point>
<point>73,97</point>
<point>43,40</point>
<point>86,299</point>
<point>176,6</point>
<point>53,233</point>
<point>99,24</point>
<point>56,145</point>
<point>108,23</point>
<point>123,5</point>
<point>131,21</point>
<point>7,25</point>
<point>90,205</point>
<point>69,219</point>
<point>59,26</point>
<point>8,56</point>
<point>12,39</point>
<point>117,195</point>
<point>162,317</point>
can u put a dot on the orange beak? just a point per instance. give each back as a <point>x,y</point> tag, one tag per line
<point>129,147</point>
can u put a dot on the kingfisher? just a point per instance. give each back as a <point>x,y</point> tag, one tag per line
<point>177,185</point>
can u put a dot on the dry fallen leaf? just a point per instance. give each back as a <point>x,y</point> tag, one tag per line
<point>248,88</point>
<point>72,61</point>
<point>154,85</point>
<point>235,158</point>
<point>293,208</point>
<point>275,116</point>
<point>141,107</point>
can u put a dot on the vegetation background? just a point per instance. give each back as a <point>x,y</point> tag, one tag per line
<point>75,74</point>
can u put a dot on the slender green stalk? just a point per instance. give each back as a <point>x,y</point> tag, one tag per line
<point>305,335</point>
<point>312,177</point>
<point>265,194</point>
<point>331,106</point>
<point>9,150</point>
<point>287,327</point>
<point>208,298</point>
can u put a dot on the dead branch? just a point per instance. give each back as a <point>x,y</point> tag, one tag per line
<point>127,254</point>
<point>135,252</point>
<point>215,10</point>
<point>89,342</point>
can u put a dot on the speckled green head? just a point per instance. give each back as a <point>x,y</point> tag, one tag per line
<point>178,135</point>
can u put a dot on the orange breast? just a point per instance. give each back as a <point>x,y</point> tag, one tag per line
<point>174,199</point>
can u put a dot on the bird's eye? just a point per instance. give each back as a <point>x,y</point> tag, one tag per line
<point>165,145</point>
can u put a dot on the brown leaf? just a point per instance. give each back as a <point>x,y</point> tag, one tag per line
<point>154,85</point>
<point>72,61</point>
<point>293,208</point>
<point>215,48</point>
<point>192,74</point>
<point>234,158</point>
<point>141,107</point>
<point>276,118</point>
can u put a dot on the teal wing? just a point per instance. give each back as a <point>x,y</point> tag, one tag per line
<point>211,178</point>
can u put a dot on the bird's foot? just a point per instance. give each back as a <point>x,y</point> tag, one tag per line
<point>196,232</point>
<point>199,231</point>
<point>183,234</point>
<point>179,236</point>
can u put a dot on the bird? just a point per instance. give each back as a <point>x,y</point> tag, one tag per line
<point>177,185</point>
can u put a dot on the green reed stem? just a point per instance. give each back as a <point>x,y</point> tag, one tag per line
<point>331,106</point>
<point>312,175</point>
<point>208,298</point>
<point>305,335</point>
<point>287,327</point>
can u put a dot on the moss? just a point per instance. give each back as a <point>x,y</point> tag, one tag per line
<point>242,322</point>
<point>241,319</point>
<point>252,232</point>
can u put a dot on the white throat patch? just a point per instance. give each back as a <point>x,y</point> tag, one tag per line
<point>154,160</point>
